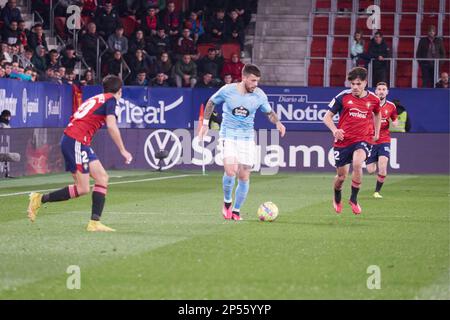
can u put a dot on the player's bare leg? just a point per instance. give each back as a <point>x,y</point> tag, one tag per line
<point>231,169</point>
<point>371,168</point>
<point>359,156</point>
<point>382,173</point>
<point>241,190</point>
<point>341,175</point>
<point>79,188</point>
<point>98,173</point>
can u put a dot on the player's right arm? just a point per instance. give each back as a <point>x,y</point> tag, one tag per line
<point>114,132</point>
<point>335,106</point>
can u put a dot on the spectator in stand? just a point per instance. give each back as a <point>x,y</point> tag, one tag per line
<point>10,13</point>
<point>117,41</point>
<point>62,72</point>
<point>430,47</point>
<point>160,42</point>
<point>89,45</point>
<point>37,37</point>
<point>195,25</point>
<point>357,50</point>
<point>227,78</point>
<point>378,51</point>
<point>88,78</point>
<point>8,69</point>
<point>216,27</point>
<point>206,82</point>
<point>160,80</point>
<point>107,21</point>
<point>2,72</point>
<point>128,7</point>
<point>185,72</point>
<point>140,79</point>
<point>39,60</point>
<point>89,8</point>
<point>164,64</point>
<point>16,52</point>
<point>171,21</point>
<point>149,22</point>
<point>71,78</point>
<point>157,4</point>
<point>43,8</point>
<point>69,58</point>
<point>233,68</point>
<point>137,42</point>
<point>115,66</point>
<point>53,59</point>
<point>443,81</point>
<point>243,9</point>
<point>212,65</point>
<point>138,63</point>
<point>186,45</point>
<point>24,33</point>
<point>27,57</point>
<point>10,34</point>
<point>234,31</point>
<point>6,52</point>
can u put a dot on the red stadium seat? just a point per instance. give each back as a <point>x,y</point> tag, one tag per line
<point>337,73</point>
<point>364,4</point>
<point>323,5</point>
<point>408,24</point>
<point>387,24</point>
<point>410,6</point>
<point>342,26</point>
<point>319,47</point>
<point>430,6</point>
<point>315,73</point>
<point>447,6</point>
<point>406,48</point>
<point>320,25</point>
<point>444,67</point>
<point>428,20</point>
<point>203,48</point>
<point>403,74</point>
<point>446,26</point>
<point>60,25</point>
<point>340,47</point>
<point>346,5</point>
<point>228,49</point>
<point>361,24</point>
<point>387,6</point>
<point>129,25</point>
<point>85,20</point>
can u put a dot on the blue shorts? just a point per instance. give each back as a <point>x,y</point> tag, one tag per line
<point>344,156</point>
<point>76,155</point>
<point>382,149</point>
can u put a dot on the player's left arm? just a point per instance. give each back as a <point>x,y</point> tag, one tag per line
<point>272,116</point>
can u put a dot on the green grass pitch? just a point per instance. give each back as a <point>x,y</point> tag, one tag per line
<point>172,243</point>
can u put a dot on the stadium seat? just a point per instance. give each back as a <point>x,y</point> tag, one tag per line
<point>361,23</point>
<point>319,47</point>
<point>387,6</point>
<point>323,5</point>
<point>129,25</point>
<point>364,4</point>
<point>60,25</point>
<point>447,45</point>
<point>431,6</point>
<point>428,20</point>
<point>406,48</point>
<point>228,49</point>
<point>446,26</point>
<point>403,74</point>
<point>320,25</point>
<point>387,24</point>
<point>344,5</point>
<point>410,6</point>
<point>408,24</point>
<point>85,20</point>
<point>342,26</point>
<point>203,48</point>
<point>444,67</point>
<point>340,47</point>
<point>337,73</point>
<point>315,73</point>
<point>447,6</point>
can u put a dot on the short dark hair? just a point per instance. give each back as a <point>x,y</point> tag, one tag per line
<point>111,84</point>
<point>5,113</point>
<point>378,33</point>
<point>357,72</point>
<point>381,83</point>
<point>251,69</point>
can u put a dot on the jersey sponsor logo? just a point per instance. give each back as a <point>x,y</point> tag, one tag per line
<point>162,140</point>
<point>357,113</point>
<point>240,112</point>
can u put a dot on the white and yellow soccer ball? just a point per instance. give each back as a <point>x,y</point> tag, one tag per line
<point>268,211</point>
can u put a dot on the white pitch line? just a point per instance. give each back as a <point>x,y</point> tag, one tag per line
<point>111,183</point>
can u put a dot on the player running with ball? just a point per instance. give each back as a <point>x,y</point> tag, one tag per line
<point>79,157</point>
<point>358,114</point>
<point>240,103</point>
<point>381,149</point>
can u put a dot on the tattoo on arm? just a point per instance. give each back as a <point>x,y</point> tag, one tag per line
<point>272,117</point>
<point>208,110</point>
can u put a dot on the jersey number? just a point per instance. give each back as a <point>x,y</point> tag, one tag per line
<point>85,108</point>
<point>336,155</point>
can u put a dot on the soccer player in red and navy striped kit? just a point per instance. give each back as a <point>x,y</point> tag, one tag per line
<point>381,149</point>
<point>79,157</point>
<point>358,114</point>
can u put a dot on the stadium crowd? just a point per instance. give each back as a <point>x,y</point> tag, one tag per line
<point>162,49</point>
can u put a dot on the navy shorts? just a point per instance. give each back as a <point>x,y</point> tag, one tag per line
<point>382,149</point>
<point>344,156</point>
<point>76,155</point>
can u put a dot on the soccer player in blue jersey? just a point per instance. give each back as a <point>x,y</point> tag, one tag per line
<point>240,103</point>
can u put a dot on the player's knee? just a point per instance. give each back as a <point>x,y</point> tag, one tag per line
<point>102,179</point>
<point>341,177</point>
<point>231,172</point>
<point>83,190</point>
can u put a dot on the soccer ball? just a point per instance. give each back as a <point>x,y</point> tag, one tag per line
<point>268,211</point>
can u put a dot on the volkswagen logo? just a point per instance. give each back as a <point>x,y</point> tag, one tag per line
<point>162,140</point>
